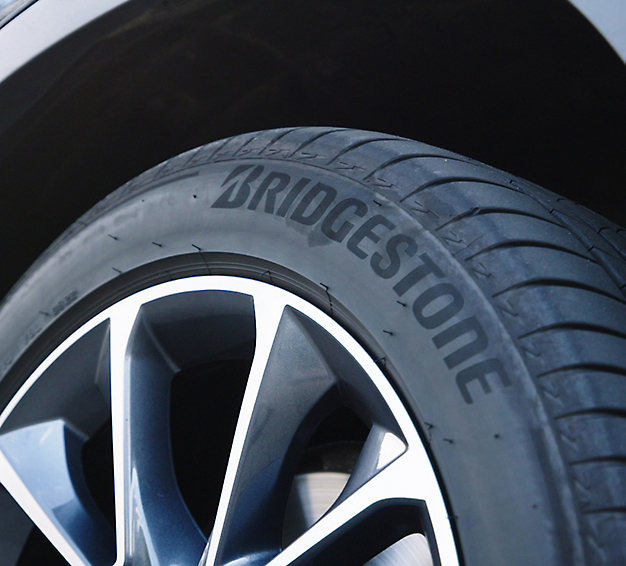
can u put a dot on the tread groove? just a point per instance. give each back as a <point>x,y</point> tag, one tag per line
<point>601,411</point>
<point>402,158</point>
<point>248,141</point>
<point>580,367</point>
<point>604,510</point>
<point>478,211</point>
<point>573,216</point>
<point>541,282</point>
<point>280,136</point>
<point>361,143</point>
<point>511,244</point>
<point>598,459</point>
<point>562,217</point>
<point>315,138</point>
<point>450,180</point>
<point>220,147</point>
<point>565,326</point>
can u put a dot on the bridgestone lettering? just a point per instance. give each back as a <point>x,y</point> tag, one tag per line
<point>347,222</point>
<point>310,209</point>
<point>352,205</point>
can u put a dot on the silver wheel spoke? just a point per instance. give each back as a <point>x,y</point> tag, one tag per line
<point>267,320</point>
<point>288,381</point>
<point>153,525</point>
<point>41,466</point>
<point>381,448</point>
<point>331,533</point>
<point>57,502</point>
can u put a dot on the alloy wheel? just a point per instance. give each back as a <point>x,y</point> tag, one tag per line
<point>301,368</point>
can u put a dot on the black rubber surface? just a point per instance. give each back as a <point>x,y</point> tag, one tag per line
<point>497,309</point>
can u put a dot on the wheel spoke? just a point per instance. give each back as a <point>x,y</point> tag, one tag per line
<point>153,525</point>
<point>57,501</point>
<point>40,451</point>
<point>381,448</point>
<point>331,540</point>
<point>289,387</point>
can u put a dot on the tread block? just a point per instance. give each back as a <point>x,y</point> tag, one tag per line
<point>602,485</point>
<point>607,530</point>
<point>616,269</point>
<point>499,229</point>
<point>480,197</point>
<point>594,437</point>
<point>559,351</point>
<point>579,390</point>
<point>616,239</point>
<point>516,269</point>
<point>569,310</point>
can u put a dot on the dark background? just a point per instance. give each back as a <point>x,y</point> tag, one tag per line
<point>527,86</point>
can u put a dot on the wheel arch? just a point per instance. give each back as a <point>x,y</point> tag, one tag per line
<point>529,87</point>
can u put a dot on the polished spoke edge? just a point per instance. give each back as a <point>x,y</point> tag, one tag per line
<point>268,312</point>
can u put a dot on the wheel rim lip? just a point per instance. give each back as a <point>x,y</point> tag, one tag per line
<point>129,307</point>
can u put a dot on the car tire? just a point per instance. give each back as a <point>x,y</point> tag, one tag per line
<point>494,308</point>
